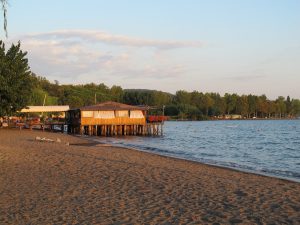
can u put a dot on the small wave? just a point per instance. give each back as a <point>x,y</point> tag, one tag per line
<point>208,154</point>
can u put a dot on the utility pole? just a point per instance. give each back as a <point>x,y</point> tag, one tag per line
<point>95,98</point>
<point>44,100</point>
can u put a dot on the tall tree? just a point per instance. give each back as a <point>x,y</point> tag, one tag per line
<point>242,105</point>
<point>288,105</point>
<point>231,101</point>
<point>252,101</point>
<point>15,79</point>
<point>281,107</point>
<point>208,102</point>
<point>295,108</point>
<point>262,105</point>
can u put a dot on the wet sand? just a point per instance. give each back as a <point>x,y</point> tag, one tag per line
<point>83,183</point>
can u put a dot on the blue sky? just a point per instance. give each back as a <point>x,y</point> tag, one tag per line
<point>211,46</point>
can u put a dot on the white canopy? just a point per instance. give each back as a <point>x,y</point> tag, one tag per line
<point>48,108</point>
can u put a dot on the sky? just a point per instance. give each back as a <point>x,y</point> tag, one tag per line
<point>228,46</point>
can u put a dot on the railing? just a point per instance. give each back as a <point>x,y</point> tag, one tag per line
<point>156,119</point>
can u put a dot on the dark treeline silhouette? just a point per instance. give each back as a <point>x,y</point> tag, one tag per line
<point>183,105</point>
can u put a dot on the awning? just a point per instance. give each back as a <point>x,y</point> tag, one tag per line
<point>48,108</point>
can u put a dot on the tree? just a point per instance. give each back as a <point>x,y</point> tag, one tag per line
<point>295,107</point>
<point>117,93</point>
<point>262,105</point>
<point>231,101</point>
<point>242,105</point>
<point>288,104</point>
<point>15,79</point>
<point>182,97</point>
<point>281,107</point>
<point>208,102</point>
<point>171,110</point>
<point>271,108</point>
<point>252,101</point>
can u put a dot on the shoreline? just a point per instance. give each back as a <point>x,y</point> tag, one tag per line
<point>238,169</point>
<point>250,119</point>
<point>99,184</point>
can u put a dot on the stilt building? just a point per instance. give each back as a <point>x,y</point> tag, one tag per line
<point>112,119</point>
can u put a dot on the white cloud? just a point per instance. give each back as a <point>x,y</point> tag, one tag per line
<point>83,56</point>
<point>78,56</point>
<point>93,36</point>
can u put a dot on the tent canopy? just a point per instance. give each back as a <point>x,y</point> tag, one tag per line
<point>48,108</point>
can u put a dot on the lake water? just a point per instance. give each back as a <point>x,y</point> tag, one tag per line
<point>270,147</point>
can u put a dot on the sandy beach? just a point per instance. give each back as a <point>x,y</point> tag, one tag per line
<point>85,183</point>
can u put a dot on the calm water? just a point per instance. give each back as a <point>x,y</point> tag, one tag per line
<point>265,147</point>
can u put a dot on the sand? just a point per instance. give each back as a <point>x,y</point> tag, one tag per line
<point>83,183</point>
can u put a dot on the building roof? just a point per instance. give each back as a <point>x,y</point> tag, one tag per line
<point>48,108</point>
<point>107,106</point>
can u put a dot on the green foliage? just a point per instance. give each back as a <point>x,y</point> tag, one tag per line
<point>147,97</point>
<point>295,107</point>
<point>172,110</point>
<point>15,79</point>
<point>183,105</point>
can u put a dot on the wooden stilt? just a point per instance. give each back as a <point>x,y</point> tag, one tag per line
<point>81,130</point>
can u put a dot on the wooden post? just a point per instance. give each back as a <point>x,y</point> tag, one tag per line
<point>89,130</point>
<point>102,130</point>
<point>115,130</point>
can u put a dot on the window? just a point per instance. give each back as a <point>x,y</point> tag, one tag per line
<point>104,114</point>
<point>123,113</point>
<point>136,114</point>
<point>87,114</point>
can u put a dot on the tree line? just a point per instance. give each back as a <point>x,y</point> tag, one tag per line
<point>181,105</point>
<point>19,87</point>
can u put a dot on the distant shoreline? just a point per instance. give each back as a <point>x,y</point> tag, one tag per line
<point>234,119</point>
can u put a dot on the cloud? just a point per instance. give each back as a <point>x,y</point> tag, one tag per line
<point>93,36</point>
<point>77,56</point>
